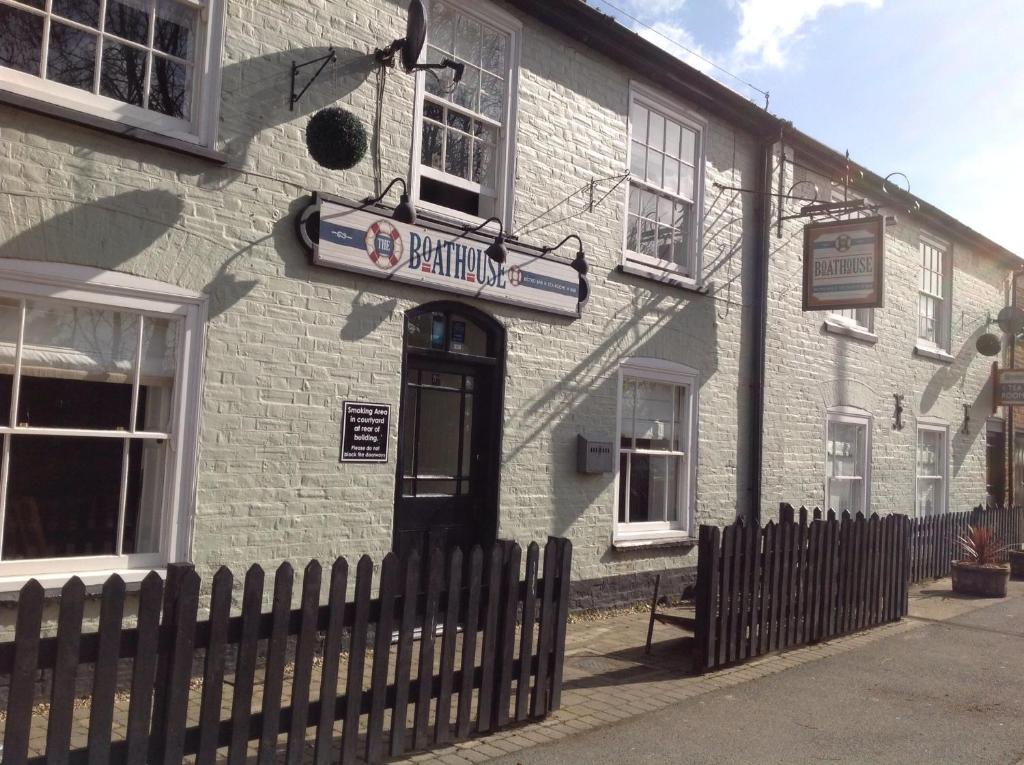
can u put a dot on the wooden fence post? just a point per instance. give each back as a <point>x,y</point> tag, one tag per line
<point>707,595</point>
<point>172,591</point>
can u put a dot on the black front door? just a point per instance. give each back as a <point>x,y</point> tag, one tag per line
<point>450,431</point>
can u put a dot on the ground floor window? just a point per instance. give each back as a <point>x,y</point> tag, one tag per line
<point>848,460</point>
<point>93,390</point>
<point>932,447</point>
<point>657,420</point>
<point>995,463</point>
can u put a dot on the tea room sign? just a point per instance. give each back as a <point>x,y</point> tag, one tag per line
<point>367,240</point>
<point>844,264</point>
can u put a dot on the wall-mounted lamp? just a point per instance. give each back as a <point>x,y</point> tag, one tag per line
<point>897,413</point>
<point>579,263</point>
<point>404,212</point>
<point>496,251</point>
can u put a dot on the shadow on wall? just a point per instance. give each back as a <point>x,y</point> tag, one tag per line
<point>260,88</point>
<point>108,233</point>
<point>948,377</point>
<point>111,231</point>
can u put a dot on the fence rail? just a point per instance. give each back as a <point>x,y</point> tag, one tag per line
<point>792,583</point>
<point>471,671</point>
<point>933,539</point>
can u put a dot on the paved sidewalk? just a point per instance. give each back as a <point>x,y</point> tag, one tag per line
<point>946,685</point>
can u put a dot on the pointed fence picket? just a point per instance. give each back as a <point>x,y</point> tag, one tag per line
<point>500,676</point>
<point>934,539</point>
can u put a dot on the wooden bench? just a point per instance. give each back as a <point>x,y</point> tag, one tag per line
<point>682,622</point>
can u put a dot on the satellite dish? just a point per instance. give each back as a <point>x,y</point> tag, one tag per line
<point>988,345</point>
<point>415,35</point>
<point>1010,320</point>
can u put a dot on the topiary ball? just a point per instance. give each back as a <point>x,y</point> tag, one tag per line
<point>336,138</point>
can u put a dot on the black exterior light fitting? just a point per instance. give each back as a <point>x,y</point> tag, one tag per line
<point>496,251</point>
<point>579,263</point>
<point>404,212</point>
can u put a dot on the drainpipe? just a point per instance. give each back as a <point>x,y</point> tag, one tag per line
<point>762,249</point>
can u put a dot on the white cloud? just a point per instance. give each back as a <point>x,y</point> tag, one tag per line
<point>651,8</point>
<point>769,28</point>
<point>677,41</point>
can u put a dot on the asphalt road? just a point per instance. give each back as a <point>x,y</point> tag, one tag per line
<point>946,692</point>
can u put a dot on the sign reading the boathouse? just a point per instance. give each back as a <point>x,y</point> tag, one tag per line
<point>367,240</point>
<point>843,264</point>
<point>1009,387</point>
<point>364,431</point>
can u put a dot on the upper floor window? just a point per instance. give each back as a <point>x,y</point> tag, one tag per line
<point>861,318</point>
<point>657,427</point>
<point>462,147</point>
<point>666,178</point>
<point>933,295</point>
<point>147,63</point>
<point>98,408</point>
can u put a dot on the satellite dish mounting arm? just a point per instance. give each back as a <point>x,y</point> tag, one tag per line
<point>410,47</point>
<point>386,56</point>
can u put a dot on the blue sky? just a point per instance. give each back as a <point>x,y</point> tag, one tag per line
<point>930,88</point>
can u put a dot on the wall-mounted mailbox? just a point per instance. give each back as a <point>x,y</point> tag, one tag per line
<point>593,456</point>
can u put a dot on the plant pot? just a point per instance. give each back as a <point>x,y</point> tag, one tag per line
<point>983,581</point>
<point>1016,565</point>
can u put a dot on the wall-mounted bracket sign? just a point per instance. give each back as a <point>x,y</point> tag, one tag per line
<point>1008,389</point>
<point>844,264</point>
<point>367,240</point>
<point>364,431</point>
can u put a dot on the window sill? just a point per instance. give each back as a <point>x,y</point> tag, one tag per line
<point>665,277</point>
<point>663,539</point>
<point>10,586</point>
<point>141,135</point>
<point>933,352</point>
<point>847,330</point>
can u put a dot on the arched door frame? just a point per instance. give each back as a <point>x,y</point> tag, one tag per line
<point>493,367</point>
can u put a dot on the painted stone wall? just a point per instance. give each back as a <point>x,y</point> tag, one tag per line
<point>287,342</point>
<point>811,369</point>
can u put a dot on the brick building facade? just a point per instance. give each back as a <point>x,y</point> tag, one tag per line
<point>166,334</point>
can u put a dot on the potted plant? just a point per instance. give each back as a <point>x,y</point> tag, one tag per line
<point>1016,564</point>
<point>978,573</point>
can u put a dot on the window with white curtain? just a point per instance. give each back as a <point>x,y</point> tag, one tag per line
<point>150,63</point>
<point>657,413</point>
<point>932,448</point>
<point>91,403</point>
<point>664,190</point>
<point>848,460</point>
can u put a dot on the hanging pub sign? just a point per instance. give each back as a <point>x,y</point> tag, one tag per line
<point>843,264</point>
<point>1009,387</point>
<point>364,431</point>
<point>367,240</point>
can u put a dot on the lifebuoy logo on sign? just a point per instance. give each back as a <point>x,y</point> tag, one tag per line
<point>384,244</point>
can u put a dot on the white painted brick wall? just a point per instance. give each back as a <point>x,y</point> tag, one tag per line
<point>810,370</point>
<point>288,342</point>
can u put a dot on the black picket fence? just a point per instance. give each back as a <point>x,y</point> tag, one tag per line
<point>474,671</point>
<point>796,582</point>
<point>934,540</point>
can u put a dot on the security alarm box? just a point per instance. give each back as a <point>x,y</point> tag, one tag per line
<point>593,456</point>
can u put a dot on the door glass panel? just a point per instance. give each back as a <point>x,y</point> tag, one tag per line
<point>467,437</point>
<point>467,337</point>
<point>438,444</point>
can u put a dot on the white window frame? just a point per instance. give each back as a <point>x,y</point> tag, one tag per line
<point>636,263</point>
<point>490,14</point>
<point>928,425</point>
<point>95,288</point>
<point>944,317</point>
<point>852,416</point>
<point>861,318</point>
<point>206,80</point>
<point>658,370</point>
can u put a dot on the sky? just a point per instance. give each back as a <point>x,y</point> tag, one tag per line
<point>933,89</point>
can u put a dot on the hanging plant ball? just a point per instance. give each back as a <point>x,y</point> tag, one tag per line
<point>336,138</point>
